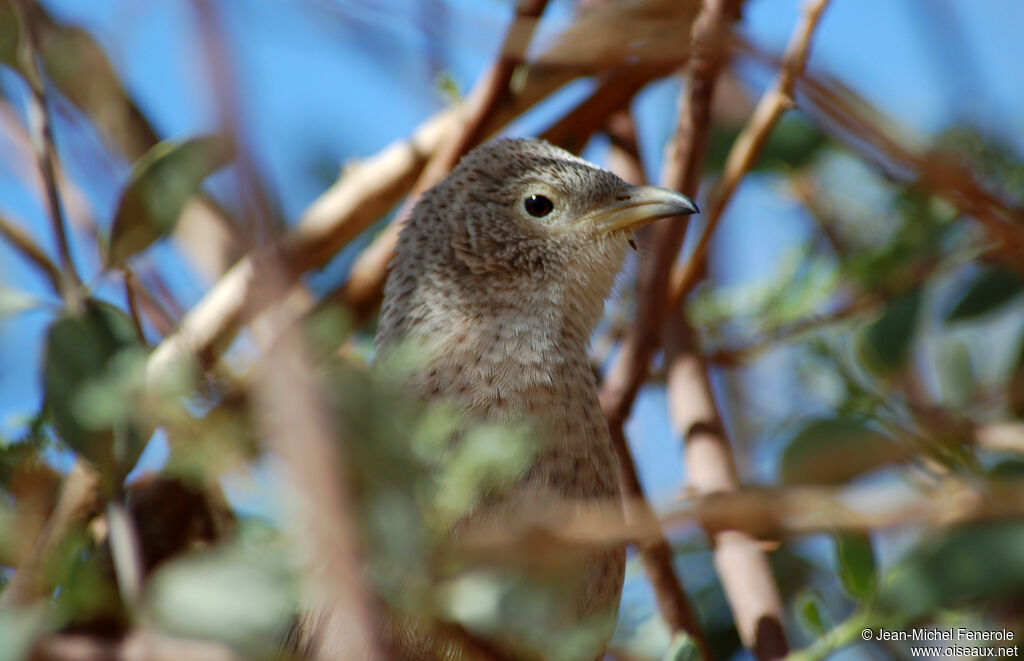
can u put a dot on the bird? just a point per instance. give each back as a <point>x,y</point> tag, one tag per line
<point>499,276</point>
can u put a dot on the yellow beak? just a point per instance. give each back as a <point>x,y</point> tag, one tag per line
<point>638,206</point>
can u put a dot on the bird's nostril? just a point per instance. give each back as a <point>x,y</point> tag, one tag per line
<point>622,197</point>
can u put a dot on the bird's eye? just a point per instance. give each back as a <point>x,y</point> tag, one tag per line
<point>538,206</point>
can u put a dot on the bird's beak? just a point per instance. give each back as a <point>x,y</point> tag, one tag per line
<point>638,206</point>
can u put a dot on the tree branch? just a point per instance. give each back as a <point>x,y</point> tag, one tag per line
<point>655,552</point>
<point>749,143</point>
<point>46,152</point>
<point>741,563</point>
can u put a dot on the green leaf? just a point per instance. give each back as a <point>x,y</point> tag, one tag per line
<point>1015,386</point>
<point>856,565</point>
<point>242,596</point>
<point>884,344</point>
<point>683,648</point>
<point>792,144</point>
<point>832,451</point>
<point>970,564</point>
<point>10,35</point>
<point>20,627</point>
<point>162,182</point>
<point>80,347</point>
<point>990,289</point>
<point>810,615</point>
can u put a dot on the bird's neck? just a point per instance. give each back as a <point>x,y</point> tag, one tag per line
<point>507,356</point>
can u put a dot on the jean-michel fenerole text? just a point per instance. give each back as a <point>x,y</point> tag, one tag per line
<point>960,633</point>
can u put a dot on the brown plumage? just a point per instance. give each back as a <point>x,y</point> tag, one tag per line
<point>501,274</point>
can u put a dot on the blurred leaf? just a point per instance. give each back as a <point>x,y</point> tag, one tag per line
<point>792,144</point>
<point>14,302</point>
<point>832,451</point>
<point>857,570</point>
<point>486,460</point>
<point>87,591</point>
<point>990,289</point>
<point>884,344</point>
<point>1008,469</point>
<point>956,373</point>
<point>810,615</point>
<point>19,628</point>
<point>969,564</point>
<point>162,182</point>
<point>10,35</point>
<point>244,597</point>
<point>79,349</point>
<point>683,648</point>
<point>447,87</point>
<point>1015,386</point>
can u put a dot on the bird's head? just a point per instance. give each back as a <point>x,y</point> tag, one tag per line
<point>524,220</point>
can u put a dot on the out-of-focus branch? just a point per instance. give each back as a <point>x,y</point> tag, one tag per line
<point>655,552</point>
<point>78,499</point>
<point>864,129</point>
<point>46,152</point>
<point>612,94</point>
<point>762,514</point>
<point>365,192</point>
<point>741,563</point>
<point>749,143</point>
<point>298,427</point>
<point>950,180</point>
<point>29,249</point>
<point>138,646</point>
<point>682,172</point>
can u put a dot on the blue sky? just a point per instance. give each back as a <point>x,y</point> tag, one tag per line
<point>325,81</point>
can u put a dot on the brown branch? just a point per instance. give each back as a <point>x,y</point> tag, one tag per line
<point>364,193</point>
<point>78,500</point>
<point>741,563</point>
<point>749,143</point>
<point>133,305</point>
<point>863,128</point>
<point>31,251</point>
<point>298,427</point>
<point>138,646</point>
<point>46,152</point>
<point>766,514</point>
<point>682,172</point>
<point>655,552</point>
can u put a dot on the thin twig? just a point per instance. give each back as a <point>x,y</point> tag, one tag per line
<point>655,552</point>
<point>299,430</point>
<point>682,172</point>
<point>133,306</point>
<point>749,143</point>
<point>46,152</point>
<point>765,514</point>
<point>137,646</point>
<point>863,128</point>
<point>78,499</point>
<point>31,251</point>
<point>741,563</point>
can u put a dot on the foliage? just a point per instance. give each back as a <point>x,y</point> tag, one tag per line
<point>893,327</point>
